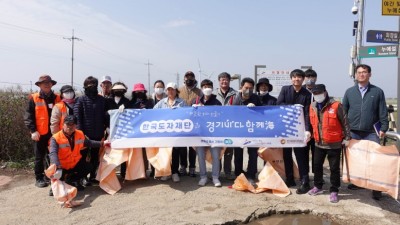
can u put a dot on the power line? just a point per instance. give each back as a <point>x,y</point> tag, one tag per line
<point>29,30</point>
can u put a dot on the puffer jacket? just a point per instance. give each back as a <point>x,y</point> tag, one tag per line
<point>91,115</point>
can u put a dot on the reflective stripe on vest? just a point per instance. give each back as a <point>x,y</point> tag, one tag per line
<point>69,158</point>
<point>63,110</point>
<point>332,130</point>
<point>41,113</point>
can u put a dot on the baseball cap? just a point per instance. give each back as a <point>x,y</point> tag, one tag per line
<point>171,85</point>
<point>106,78</point>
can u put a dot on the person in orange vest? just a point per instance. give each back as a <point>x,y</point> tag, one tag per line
<point>330,130</point>
<point>63,108</point>
<point>66,147</point>
<point>37,119</point>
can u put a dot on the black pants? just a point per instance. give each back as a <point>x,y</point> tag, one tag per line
<point>94,160</point>
<point>183,157</point>
<point>311,146</point>
<point>334,164</point>
<point>81,170</point>
<point>176,155</point>
<point>251,165</point>
<point>228,155</point>
<point>302,159</point>
<point>40,149</point>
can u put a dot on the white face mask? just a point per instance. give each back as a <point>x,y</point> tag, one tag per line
<point>69,95</point>
<point>207,91</point>
<point>158,91</point>
<point>319,98</point>
<point>262,93</point>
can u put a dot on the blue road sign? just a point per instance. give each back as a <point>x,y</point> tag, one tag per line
<point>381,36</point>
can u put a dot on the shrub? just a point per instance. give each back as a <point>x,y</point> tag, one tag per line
<point>15,141</point>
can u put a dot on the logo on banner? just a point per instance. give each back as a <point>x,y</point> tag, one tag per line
<point>161,126</point>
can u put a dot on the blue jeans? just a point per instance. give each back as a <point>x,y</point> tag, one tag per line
<point>215,153</point>
<point>362,135</point>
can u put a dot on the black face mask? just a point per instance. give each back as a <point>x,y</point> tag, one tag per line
<point>189,83</point>
<point>119,93</point>
<point>141,95</point>
<point>91,91</point>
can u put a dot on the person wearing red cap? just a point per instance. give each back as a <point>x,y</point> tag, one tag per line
<point>37,119</point>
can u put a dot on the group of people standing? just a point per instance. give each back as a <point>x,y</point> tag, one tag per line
<point>74,129</point>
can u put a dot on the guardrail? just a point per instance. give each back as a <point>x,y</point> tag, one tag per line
<point>394,136</point>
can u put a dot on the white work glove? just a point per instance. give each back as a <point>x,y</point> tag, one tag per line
<point>35,136</point>
<point>307,136</point>
<point>298,105</point>
<point>57,175</point>
<point>250,105</point>
<point>345,143</point>
<point>108,130</point>
<point>121,108</point>
<point>174,107</point>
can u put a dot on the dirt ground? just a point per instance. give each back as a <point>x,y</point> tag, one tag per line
<point>155,202</point>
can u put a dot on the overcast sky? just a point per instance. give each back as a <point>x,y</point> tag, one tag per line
<point>119,37</point>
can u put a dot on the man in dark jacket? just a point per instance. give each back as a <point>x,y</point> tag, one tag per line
<point>90,110</point>
<point>37,119</point>
<point>246,97</point>
<point>293,95</point>
<point>365,106</point>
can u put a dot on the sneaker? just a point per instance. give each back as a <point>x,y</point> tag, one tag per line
<point>51,192</point>
<point>85,182</point>
<point>182,171</point>
<point>175,178</point>
<point>96,182</point>
<point>165,178</point>
<point>333,197</point>
<point>40,183</point>
<point>315,191</point>
<point>47,180</point>
<point>192,172</point>
<point>216,182</point>
<point>203,181</point>
<point>304,188</point>
<point>78,185</point>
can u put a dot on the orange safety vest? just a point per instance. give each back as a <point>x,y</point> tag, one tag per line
<point>63,110</point>
<point>69,158</point>
<point>332,130</point>
<point>41,113</point>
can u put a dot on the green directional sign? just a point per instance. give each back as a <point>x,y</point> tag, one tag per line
<point>378,51</point>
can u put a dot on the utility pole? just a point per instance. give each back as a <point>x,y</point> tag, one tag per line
<point>72,39</point>
<point>148,64</point>
<point>359,25</point>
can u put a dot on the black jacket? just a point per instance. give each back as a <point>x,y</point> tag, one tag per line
<point>289,96</point>
<point>267,99</point>
<point>238,100</point>
<point>212,101</point>
<point>91,115</point>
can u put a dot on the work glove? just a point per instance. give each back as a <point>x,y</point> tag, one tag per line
<point>346,143</point>
<point>106,143</point>
<point>35,136</point>
<point>57,175</point>
<point>174,107</point>
<point>298,105</point>
<point>121,108</point>
<point>250,105</point>
<point>108,130</point>
<point>307,136</point>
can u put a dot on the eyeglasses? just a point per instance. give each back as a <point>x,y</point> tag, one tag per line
<point>362,72</point>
